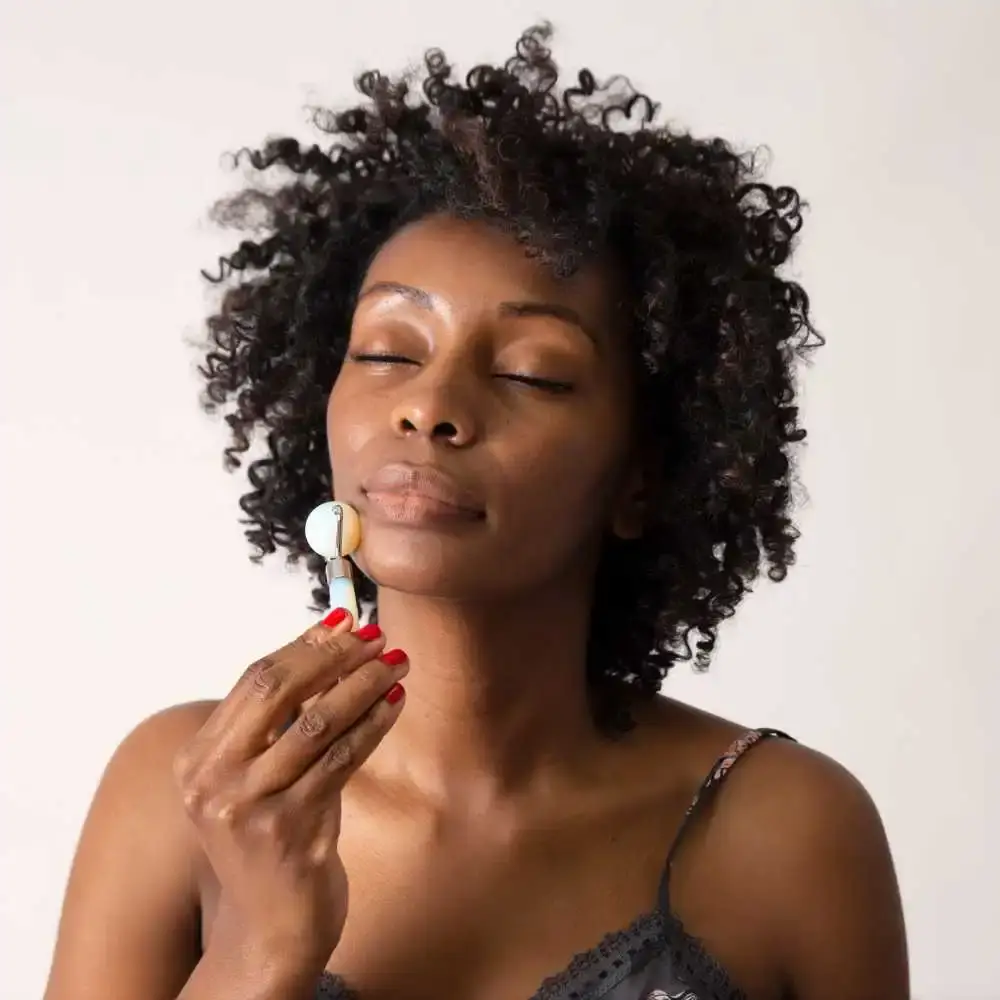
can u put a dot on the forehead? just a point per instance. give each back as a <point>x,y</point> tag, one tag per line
<point>474,262</point>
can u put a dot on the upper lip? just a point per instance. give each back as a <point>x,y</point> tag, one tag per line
<point>423,481</point>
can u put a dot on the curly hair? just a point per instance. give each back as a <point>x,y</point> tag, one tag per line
<point>571,172</point>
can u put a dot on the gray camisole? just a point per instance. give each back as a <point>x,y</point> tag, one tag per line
<point>652,959</point>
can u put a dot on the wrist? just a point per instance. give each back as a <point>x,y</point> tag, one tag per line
<point>279,962</point>
<point>253,970</point>
<point>268,955</point>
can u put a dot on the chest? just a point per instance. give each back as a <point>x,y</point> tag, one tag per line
<point>469,922</point>
<point>464,916</point>
<point>466,931</point>
<point>470,916</point>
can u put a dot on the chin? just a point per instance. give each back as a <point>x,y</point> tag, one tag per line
<point>424,564</point>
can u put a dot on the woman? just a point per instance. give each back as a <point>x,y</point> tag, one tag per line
<point>561,360</point>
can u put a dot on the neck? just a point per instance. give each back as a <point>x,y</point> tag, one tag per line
<point>496,694</point>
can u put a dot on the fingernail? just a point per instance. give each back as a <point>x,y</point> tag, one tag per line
<point>335,617</point>
<point>394,694</point>
<point>369,632</point>
<point>394,657</point>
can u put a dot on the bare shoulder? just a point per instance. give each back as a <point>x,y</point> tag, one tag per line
<point>130,914</point>
<point>141,770</point>
<point>797,835</point>
<point>145,757</point>
<point>798,809</point>
<point>807,789</point>
<point>138,796</point>
<point>815,849</point>
<point>156,739</point>
<point>772,779</point>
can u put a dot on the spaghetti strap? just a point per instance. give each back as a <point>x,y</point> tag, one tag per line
<point>706,792</point>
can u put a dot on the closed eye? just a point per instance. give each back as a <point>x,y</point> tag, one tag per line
<point>383,359</point>
<point>555,386</point>
<point>545,384</point>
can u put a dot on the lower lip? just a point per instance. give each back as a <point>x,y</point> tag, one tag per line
<point>413,509</point>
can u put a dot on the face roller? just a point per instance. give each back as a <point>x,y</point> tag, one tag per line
<point>333,531</point>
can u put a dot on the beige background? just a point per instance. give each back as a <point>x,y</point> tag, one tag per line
<point>124,579</point>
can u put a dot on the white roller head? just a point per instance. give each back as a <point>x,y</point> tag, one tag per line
<point>321,529</point>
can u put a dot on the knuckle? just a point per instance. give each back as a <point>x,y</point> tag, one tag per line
<point>191,782</point>
<point>338,647</point>
<point>321,637</point>
<point>312,638</point>
<point>329,651</point>
<point>193,796</point>
<point>266,822</point>
<point>322,849</point>
<point>193,800</point>
<point>339,756</point>
<point>265,677</point>
<point>221,808</point>
<point>311,723</point>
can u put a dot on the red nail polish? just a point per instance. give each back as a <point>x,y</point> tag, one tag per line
<point>369,632</point>
<point>335,617</point>
<point>394,657</point>
<point>394,694</point>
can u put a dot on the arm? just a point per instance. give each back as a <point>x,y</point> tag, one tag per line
<point>838,899</point>
<point>800,843</point>
<point>129,927</point>
<point>129,921</point>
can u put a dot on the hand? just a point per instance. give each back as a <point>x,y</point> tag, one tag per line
<point>265,794</point>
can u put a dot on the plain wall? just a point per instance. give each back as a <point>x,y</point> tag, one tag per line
<point>125,582</point>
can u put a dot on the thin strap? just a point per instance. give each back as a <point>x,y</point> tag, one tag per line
<point>707,792</point>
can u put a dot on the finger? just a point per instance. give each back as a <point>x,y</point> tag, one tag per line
<point>342,758</point>
<point>315,662</point>
<point>323,723</point>
<point>276,685</point>
<point>259,676</point>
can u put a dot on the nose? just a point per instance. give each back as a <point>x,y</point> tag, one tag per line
<point>438,412</point>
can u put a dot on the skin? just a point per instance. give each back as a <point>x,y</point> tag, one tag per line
<point>493,832</point>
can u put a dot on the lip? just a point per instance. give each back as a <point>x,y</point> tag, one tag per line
<point>416,493</point>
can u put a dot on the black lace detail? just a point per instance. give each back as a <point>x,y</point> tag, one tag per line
<point>332,987</point>
<point>616,956</point>
<point>619,955</point>
<point>695,966</point>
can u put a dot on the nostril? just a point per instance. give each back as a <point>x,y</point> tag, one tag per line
<point>440,430</point>
<point>445,429</point>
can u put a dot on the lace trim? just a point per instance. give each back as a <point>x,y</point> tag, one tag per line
<point>332,987</point>
<point>620,954</point>
<point>695,965</point>
<point>608,963</point>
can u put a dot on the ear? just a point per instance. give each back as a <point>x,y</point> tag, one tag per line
<point>629,513</point>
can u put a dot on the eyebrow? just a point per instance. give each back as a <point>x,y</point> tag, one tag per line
<point>415,295</point>
<point>425,300</point>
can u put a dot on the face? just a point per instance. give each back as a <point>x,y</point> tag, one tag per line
<point>481,422</point>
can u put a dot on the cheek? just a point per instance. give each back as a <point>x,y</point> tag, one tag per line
<point>570,481</point>
<point>348,432</point>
